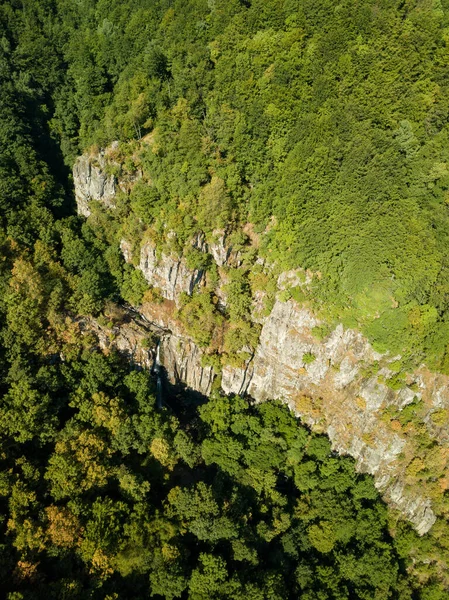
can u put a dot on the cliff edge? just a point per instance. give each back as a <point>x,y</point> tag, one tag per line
<point>393,423</point>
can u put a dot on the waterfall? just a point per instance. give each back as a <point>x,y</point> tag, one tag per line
<point>157,371</point>
<point>157,362</point>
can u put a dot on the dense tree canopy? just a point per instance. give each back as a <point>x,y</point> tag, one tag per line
<point>324,126</point>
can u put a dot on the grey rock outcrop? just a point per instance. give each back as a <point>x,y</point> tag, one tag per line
<point>182,361</point>
<point>169,274</point>
<point>180,356</point>
<point>93,183</point>
<point>327,394</point>
<point>219,249</point>
<point>278,371</point>
<point>127,337</point>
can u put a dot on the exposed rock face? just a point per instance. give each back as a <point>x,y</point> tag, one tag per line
<point>182,361</point>
<point>180,356</point>
<point>219,249</point>
<point>127,337</point>
<point>92,183</point>
<point>346,406</point>
<point>328,393</point>
<point>322,381</point>
<point>169,274</point>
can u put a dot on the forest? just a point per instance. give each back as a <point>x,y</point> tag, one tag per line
<point>325,127</point>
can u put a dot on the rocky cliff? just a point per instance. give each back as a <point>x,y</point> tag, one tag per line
<point>337,383</point>
<point>93,183</point>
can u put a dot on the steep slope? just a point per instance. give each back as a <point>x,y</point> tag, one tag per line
<point>391,420</point>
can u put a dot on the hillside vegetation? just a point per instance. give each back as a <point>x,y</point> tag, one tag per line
<point>325,125</point>
<point>319,129</point>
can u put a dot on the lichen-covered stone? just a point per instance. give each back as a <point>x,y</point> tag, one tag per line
<point>92,183</point>
<point>169,274</point>
<point>218,248</point>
